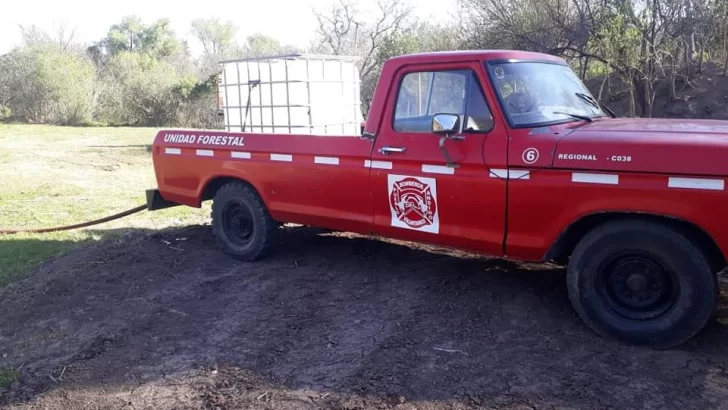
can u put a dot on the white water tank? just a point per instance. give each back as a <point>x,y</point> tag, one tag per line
<point>291,94</point>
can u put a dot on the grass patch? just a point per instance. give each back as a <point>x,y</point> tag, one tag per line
<point>8,377</point>
<point>51,176</point>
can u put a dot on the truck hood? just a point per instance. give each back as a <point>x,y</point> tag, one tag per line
<point>669,146</point>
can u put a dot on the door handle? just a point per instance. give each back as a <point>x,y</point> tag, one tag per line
<point>390,150</point>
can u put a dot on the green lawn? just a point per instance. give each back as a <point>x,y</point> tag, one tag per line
<point>52,176</point>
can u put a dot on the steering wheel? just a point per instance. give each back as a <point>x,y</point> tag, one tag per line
<point>520,102</point>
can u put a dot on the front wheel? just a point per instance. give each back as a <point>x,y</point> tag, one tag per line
<point>641,282</point>
<point>241,223</point>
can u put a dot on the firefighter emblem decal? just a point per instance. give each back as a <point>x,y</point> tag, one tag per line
<point>413,203</point>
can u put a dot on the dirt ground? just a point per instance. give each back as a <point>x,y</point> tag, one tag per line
<point>328,321</point>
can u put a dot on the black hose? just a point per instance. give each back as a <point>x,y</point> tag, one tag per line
<point>76,226</point>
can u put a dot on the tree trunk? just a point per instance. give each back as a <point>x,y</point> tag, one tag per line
<point>673,76</point>
<point>639,95</point>
<point>649,94</point>
<point>632,107</point>
<point>601,87</point>
<point>725,49</point>
<point>640,82</point>
<point>691,35</point>
<point>700,60</point>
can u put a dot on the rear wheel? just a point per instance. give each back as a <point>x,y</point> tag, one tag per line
<point>241,223</point>
<point>641,282</point>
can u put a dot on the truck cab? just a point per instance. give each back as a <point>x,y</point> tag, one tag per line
<point>504,153</point>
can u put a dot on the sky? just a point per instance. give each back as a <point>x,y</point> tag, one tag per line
<point>289,21</point>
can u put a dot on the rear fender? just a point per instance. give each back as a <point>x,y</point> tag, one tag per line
<point>209,188</point>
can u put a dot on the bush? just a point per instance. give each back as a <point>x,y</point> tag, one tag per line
<point>140,90</point>
<point>5,113</point>
<point>44,84</point>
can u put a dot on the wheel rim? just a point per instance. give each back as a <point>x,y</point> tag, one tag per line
<point>637,286</point>
<point>238,223</point>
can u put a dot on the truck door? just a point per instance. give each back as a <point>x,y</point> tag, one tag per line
<point>416,195</point>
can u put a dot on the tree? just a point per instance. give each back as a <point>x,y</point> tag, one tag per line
<point>125,36</point>
<point>141,90</point>
<point>61,38</point>
<point>648,44</point>
<point>42,82</point>
<point>259,45</point>
<point>217,38</point>
<point>340,32</point>
<point>418,38</point>
<point>157,39</point>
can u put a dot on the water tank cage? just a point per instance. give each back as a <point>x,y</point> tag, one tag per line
<point>291,94</point>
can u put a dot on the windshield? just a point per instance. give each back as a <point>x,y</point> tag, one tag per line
<point>534,94</point>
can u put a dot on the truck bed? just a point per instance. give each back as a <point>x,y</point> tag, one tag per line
<point>280,168</point>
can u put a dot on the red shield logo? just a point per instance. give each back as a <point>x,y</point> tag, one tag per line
<point>413,202</point>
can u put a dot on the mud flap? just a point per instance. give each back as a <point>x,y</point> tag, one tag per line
<point>155,201</point>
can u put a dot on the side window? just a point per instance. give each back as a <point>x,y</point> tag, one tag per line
<point>448,93</point>
<point>479,118</point>
<point>414,94</point>
<point>423,94</point>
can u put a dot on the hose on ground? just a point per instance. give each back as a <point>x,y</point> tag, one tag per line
<point>76,226</point>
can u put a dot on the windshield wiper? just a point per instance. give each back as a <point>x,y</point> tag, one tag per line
<point>608,110</point>
<point>577,116</point>
<point>589,99</point>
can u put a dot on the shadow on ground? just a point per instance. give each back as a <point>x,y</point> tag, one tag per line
<point>18,253</point>
<point>327,321</point>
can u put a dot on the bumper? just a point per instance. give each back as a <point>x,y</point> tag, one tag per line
<point>155,201</point>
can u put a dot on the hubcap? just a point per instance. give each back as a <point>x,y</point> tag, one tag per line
<point>237,223</point>
<point>637,286</point>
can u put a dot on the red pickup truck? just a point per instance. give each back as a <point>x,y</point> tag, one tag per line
<point>505,153</point>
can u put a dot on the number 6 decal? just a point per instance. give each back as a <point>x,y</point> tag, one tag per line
<point>530,155</point>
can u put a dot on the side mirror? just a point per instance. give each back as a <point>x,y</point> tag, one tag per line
<point>445,124</point>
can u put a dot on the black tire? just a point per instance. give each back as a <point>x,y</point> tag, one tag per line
<point>643,283</point>
<point>241,223</point>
